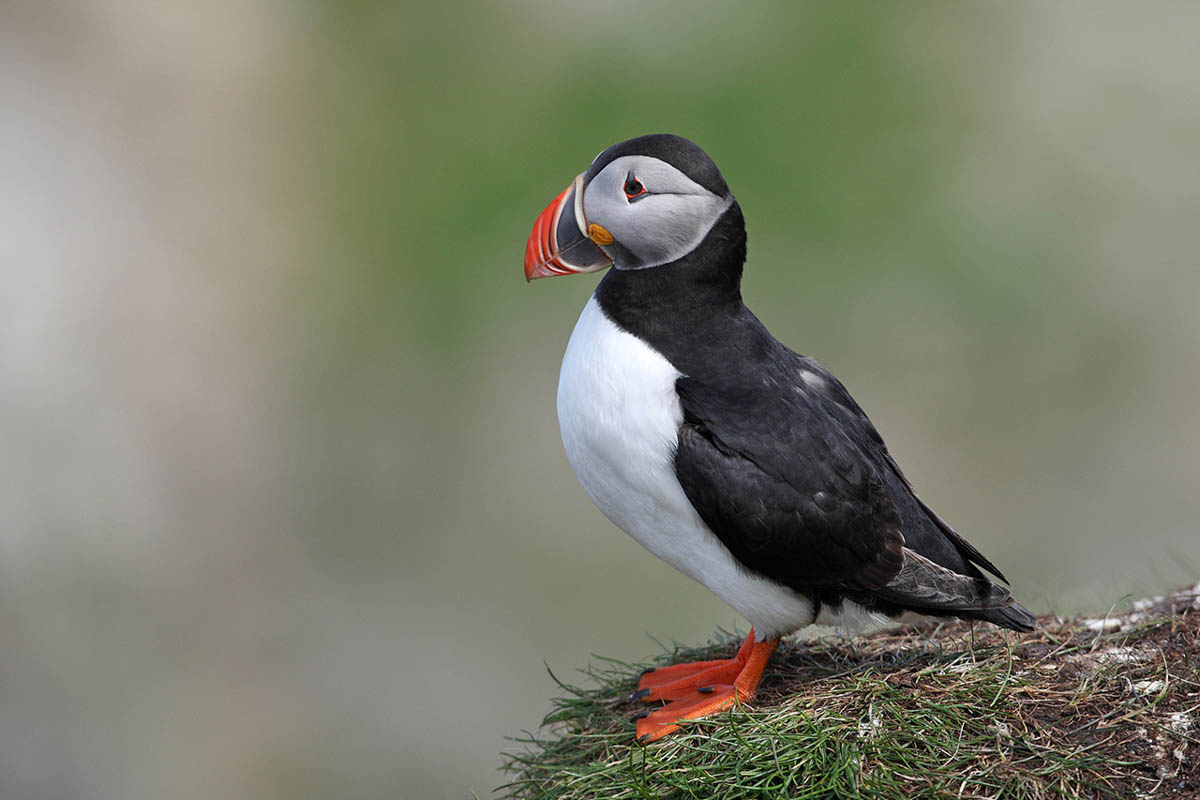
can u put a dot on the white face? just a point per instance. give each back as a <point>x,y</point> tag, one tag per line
<point>653,211</point>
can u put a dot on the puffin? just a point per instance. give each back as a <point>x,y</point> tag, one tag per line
<point>741,463</point>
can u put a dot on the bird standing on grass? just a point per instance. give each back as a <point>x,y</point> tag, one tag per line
<point>744,465</point>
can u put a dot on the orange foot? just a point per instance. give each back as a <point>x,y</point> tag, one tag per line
<point>700,689</point>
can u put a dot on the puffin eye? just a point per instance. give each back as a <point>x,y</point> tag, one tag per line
<point>633,188</point>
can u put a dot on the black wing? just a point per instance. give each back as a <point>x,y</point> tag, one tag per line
<point>920,534</point>
<point>795,480</point>
<point>786,486</point>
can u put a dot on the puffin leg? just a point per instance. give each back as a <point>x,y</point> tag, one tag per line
<point>705,699</point>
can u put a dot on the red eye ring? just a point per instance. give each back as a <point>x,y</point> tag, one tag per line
<point>633,188</point>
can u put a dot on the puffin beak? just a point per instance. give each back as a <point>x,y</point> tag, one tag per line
<point>562,242</point>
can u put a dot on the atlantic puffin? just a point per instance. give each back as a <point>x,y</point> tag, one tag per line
<point>741,463</point>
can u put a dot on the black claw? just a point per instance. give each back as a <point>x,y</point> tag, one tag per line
<point>644,739</point>
<point>647,671</point>
<point>641,715</point>
<point>706,690</point>
<point>639,694</point>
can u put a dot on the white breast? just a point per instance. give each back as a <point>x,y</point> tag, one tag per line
<point>620,418</point>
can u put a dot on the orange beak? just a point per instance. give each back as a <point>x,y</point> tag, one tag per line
<point>559,243</point>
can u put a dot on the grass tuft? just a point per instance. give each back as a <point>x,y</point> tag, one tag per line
<point>1082,708</point>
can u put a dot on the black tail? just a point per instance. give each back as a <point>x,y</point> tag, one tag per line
<point>1015,617</point>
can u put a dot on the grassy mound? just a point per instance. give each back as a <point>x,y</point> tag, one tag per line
<point>1079,709</point>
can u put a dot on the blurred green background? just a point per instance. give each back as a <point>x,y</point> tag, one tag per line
<point>283,508</point>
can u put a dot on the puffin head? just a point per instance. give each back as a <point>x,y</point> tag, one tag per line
<point>642,203</point>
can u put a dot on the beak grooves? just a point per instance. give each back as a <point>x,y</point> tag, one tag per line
<point>541,250</point>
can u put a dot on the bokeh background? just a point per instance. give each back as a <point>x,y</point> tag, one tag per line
<point>283,509</point>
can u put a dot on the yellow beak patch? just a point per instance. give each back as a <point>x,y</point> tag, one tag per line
<point>599,235</point>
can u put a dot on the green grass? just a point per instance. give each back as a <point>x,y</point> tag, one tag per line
<point>932,712</point>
